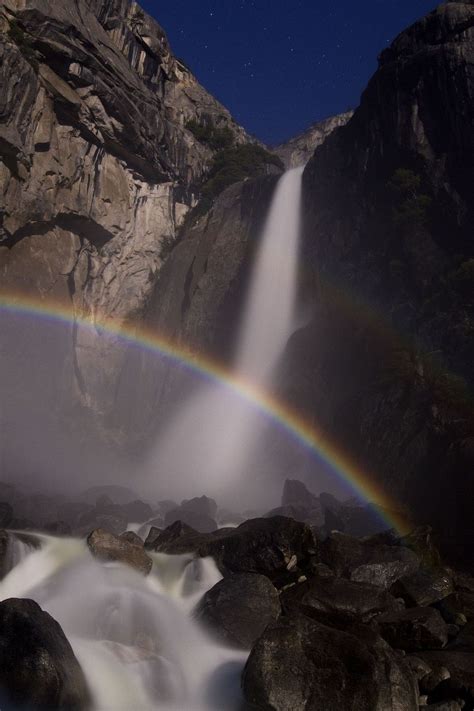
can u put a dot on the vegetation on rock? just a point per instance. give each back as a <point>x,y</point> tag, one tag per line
<point>209,134</point>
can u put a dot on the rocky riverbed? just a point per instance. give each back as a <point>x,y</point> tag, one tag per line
<point>308,617</point>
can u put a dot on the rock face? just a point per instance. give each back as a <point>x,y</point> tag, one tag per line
<point>38,668</point>
<point>388,222</point>
<point>301,665</point>
<point>97,163</point>
<point>298,150</point>
<point>238,608</point>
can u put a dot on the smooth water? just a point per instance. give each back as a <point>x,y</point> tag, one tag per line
<point>208,446</point>
<point>134,637</point>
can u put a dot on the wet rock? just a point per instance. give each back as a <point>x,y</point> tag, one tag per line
<point>460,665</point>
<point>343,553</point>
<point>175,539</point>
<point>262,545</point>
<point>239,608</point>
<point>371,560</point>
<point>418,666</point>
<point>38,668</point>
<point>454,606</point>
<point>385,573</point>
<point>445,706</point>
<point>197,520</point>
<point>414,629</point>
<point>115,522</point>
<point>465,638</point>
<point>299,664</point>
<point>6,514</point>
<point>421,542</point>
<point>432,680</point>
<point>338,601</point>
<point>424,587</point>
<point>132,538</point>
<point>108,547</point>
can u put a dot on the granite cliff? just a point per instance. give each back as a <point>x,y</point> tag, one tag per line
<point>99,161</point>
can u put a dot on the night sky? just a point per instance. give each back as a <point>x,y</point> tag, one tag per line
<point>280,65</point>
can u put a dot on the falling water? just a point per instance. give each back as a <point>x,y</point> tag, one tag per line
<point>209,445</point>
<point>134,637</point>
<point>269,314</point>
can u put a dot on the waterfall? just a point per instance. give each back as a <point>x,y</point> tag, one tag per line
<point>209,445</point>
<point>134,637</point>
<point>269,313</point>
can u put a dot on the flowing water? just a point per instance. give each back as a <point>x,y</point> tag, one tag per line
<point>219,431</point>
<point>134,637</point>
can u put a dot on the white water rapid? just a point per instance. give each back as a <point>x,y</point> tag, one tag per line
<point>208,446</point>
<point>133,636</point>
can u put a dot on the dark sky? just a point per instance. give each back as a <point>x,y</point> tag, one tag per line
<point>280,65</point>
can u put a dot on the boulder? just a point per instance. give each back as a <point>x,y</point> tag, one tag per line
<point>445,706</point>
<point>108,547</point>
<point>457,604</point>
<point>460,665</point>
<point>295,493</point>
<point>414,629</point>
<point>115,522</point>
<point>269,546</point>
<point>394,563</point>
<point>424,587</point>
<point>238,608</point>
<point>299,664</point>
<point>338,601</point>
<point>132,538</point>
<point>38,669</point>
<point>312,516</point>
<point>375,560</point>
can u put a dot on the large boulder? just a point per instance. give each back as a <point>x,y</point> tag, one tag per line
<point>299,664</point>
<point>108,547</point>
<point>38,669</point>
<point>425,587</point>
<point>460,665</point>
<point>238,608</point>
<point>378,560</point>
<point>269,546</point>
<point>414,629</point>
<point>339,601</point>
